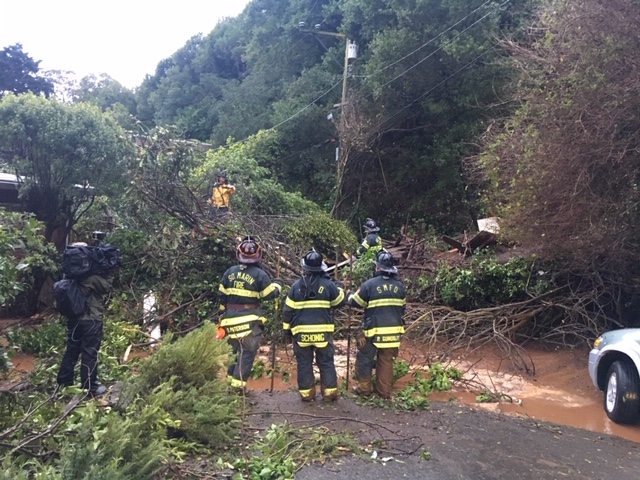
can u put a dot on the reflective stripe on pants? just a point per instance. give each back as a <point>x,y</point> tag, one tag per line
<point>324,360</point>
<point>245,349</point>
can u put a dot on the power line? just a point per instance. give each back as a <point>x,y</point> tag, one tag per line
<point>431,40</point>
<point>441,47</point>
<point>436,86</point>
<point>284,121</point>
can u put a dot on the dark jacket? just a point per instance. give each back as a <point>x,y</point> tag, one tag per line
<point>96,288</point>
<point>307,310</point>
<point>244,285</point>
<point>372,241</point>
<point>384,299</point>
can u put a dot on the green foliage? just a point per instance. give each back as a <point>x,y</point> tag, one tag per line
<point>487,282</point>
<point>259,369</point>
<point>400,368</point>
<point>179,405</point>
<point>565,183</point>
<point>425,455</point>
<point>252,167</point>
<point>187,380</point>
<point>65,154</point>
<point>363,269</point>
<point>319,231</point>
<point>24,256</point>
<point>415,396</point>
<point>47,339</point>
<point>423,73</point>
<point>285,449</point>
<point>19,73</point>
<point>112,446</point>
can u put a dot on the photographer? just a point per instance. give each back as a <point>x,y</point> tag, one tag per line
<point>84,332</point>
<point>221,192</point>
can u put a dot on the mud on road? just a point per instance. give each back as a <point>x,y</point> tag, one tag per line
<point>463,442</point>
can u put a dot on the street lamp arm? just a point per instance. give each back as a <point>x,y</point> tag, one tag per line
<point>323,32</point>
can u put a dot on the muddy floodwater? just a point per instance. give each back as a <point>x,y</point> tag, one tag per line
<point>560,390</point>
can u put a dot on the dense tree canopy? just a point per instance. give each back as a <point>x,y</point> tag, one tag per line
<point>19,73</point>
<point>65,155</point>
<point>418,94</point>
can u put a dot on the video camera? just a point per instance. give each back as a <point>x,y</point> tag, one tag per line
<point>99,236</point>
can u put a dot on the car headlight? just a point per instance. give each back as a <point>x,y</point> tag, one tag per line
<point>597,342</point>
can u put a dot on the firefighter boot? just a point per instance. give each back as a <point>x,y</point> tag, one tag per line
<point>308,395</point>
<point>363,387</point>
<point>329,394</point>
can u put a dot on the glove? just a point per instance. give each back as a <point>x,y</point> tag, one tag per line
<point>221,333</point>
<point>361,339</point>
<point>339,284</point>
<point>288,337</point>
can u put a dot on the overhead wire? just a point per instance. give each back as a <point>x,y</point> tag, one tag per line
<point>441,47</point>
<point>468,64</point>
<point>399,75</point>
<point>429,41</point>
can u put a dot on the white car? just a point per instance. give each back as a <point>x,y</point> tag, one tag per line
<point>614,363</point>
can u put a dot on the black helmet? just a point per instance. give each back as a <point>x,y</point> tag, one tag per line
<point>385,262</point>
<point>222,174</point>
<point>371,226</point>
<point>249,251</point>
<point>313,262</point>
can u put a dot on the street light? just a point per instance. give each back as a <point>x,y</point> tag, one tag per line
<point>350,53</point>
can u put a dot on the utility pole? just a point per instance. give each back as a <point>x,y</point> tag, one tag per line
<point>350,53</point>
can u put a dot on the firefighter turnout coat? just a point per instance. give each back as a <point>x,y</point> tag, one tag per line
<point>220,195</point>
<point>372,242</point>
<point>241,290</point>
<point>384,299</point>
<point>307,310</point>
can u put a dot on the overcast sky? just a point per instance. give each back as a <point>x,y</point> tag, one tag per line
<point>125,39</point>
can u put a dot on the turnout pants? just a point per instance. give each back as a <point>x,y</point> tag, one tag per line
<point>245,350</point>
<point>382,358</point>
<point>83,339</point>
<point>306,378</point>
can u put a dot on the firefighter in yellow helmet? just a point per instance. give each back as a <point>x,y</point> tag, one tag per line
<point>384,298</point>
<point>308,322</point>
<point>242,289</point>
<point>220,197</point>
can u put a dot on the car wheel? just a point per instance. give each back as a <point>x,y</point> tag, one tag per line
<point>621,397</point>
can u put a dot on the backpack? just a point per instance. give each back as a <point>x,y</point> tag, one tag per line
<point>70,299</point>
<point>79,262</point>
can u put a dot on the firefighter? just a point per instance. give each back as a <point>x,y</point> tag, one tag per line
<point>220,197</point>
<point>372,240</point>
<point>241,291</point>
<point>384,298</point>
<point>309,325</point>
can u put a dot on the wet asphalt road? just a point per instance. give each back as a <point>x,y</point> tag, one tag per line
<point>463,443</point>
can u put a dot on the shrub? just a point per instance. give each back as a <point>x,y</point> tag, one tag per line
<point>186,378</point>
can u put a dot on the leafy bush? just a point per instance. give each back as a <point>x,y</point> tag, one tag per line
<point>487,282</point>
<point>187,380</point>
<point>110,446</point>
<point>48,338</point>
<point>319,231</point>
<point>24,255</point>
